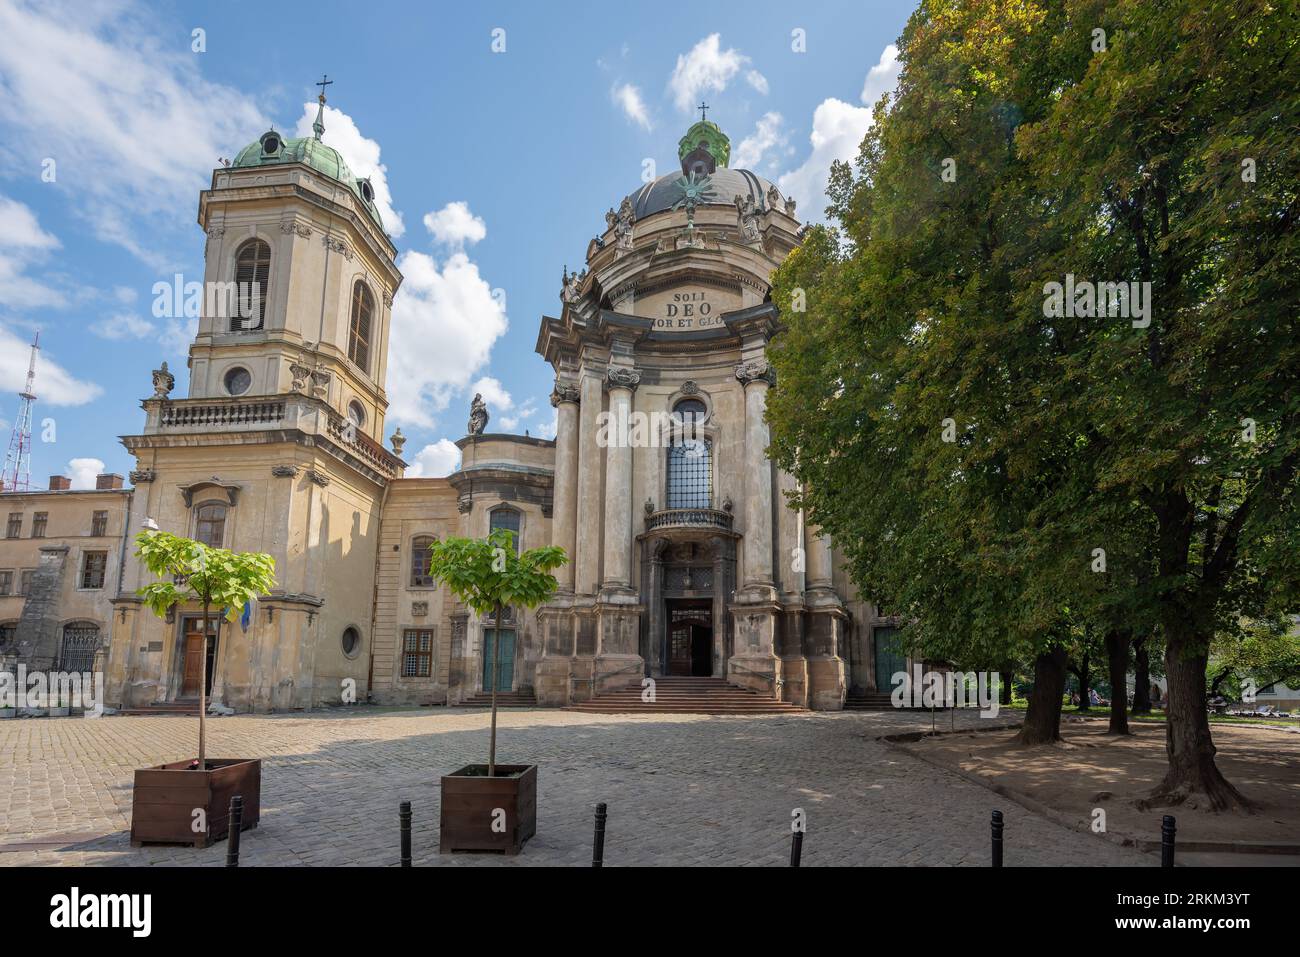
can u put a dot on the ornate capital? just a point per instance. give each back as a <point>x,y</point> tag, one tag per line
<point>284,471</point>
<point>464,504</point>
<point>620,378</point>
<point>565,392</point>
<point>141,476</point>
<point>338,245</point>
<point>320,478</point>
<point>756,370</point>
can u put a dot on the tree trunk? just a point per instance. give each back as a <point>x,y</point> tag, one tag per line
<point>203,693</point>
<point>496,659</point>
<point>1141,677</point>
<point>1008,678</point>
<point>1117,643</point>
<point>1043,718</point>
<point>1192,769</point>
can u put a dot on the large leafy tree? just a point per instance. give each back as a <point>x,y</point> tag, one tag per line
<point>973,455</point>
<point>190,571</point>
<point>488,575</point>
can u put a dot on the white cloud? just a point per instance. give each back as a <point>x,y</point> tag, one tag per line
<point>445,321</point>
<point>629,99</point>
<point>546,428</point>
<point>455,226</point>
<point>54,384</point>
<point>362,156</point>
<point>707,67</point>
<point>757,81</point>
<point>494,394</point>
<point>125,114</point>
<point>435,461</point>
<point>768,133</point>
<point>22,243</point>
<point>837,132</point>
<point>511,423</point>
<point>83,472</point>
<point>123,325</point>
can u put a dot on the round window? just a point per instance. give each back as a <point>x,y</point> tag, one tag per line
<point>271,145</point>
<point>367,191</point>
<point>351,642</point>
<point>356,414</point>
<point>238,380</point>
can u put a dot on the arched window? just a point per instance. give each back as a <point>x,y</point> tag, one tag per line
<point>363,309</point>
<point>80,642</point>
<point>252,273</point>
<point>507,518</point>
<point>210,524</point>
<point>689,413</point>
<point>690,473</point>
<point>420,577</point>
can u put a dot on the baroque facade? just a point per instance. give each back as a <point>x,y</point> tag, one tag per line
<point>684,559</point>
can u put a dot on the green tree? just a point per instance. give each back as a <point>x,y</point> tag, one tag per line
<point>974,453</point>
<point>489,575</point>
<point>190,571</point>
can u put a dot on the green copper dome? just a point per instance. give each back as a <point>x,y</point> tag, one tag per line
<point>271,149</point>
<point>705,137</point>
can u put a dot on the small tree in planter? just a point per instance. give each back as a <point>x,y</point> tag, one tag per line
<point>166,808</point>
<point>488,576</point>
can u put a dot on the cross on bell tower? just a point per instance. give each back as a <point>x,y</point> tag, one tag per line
<point>703,108</point>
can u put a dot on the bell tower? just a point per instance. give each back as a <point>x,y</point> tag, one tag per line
<point>299,279</point>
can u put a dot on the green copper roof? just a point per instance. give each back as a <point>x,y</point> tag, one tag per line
<point>272,149</point>
<point>706,134</point>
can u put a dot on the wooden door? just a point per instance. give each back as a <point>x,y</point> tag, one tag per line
<point>679,648</point>
<point>505,665</point>
<point>194,661</point>
<point>889,659</point>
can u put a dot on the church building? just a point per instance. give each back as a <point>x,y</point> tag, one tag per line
<point>685,560</point>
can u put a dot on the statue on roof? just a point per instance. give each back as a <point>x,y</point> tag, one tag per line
<point>478,415</point>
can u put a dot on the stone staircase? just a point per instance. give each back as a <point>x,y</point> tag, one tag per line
<point>505,699</point>
<point>683,695</point>
<point>868,701</point>
<point>189,708</point>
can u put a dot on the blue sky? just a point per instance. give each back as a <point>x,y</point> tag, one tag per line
<point>494,168</point>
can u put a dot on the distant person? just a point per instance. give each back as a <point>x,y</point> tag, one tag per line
<point>1093,697</point>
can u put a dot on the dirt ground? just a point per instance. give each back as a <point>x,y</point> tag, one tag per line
<point>1092,770</point>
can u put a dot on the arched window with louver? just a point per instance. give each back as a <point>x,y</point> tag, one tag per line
<point>359,330</point>
<point>252,275</point>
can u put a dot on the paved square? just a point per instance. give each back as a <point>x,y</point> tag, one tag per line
<point>681,790</point>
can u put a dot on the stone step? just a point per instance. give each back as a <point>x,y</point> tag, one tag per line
<point>680,694</point>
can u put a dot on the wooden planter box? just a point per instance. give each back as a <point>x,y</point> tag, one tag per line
<point>165,797</point>
<point>470,800</point>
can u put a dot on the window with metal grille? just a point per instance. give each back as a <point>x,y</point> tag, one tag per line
<point>363,309</point>
<point>210,524</point>
<point>509,519</point>
<point>690,473</point>
<point>252,273</point>
<point>99,524</point>
<point>39,521</point>
<point>80,642</point>
<point>6,581</point>
<point>420,577</point>
<point>417,653</point>
<point>93,565</point>
<point>15,527</point>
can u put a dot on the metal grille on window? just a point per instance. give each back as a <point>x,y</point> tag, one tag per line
<point>417,654</point>
<point>690,474</point>
<point>80,642</point>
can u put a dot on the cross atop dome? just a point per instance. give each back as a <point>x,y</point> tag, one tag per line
<point>318,127</point>
<point>703,108</point>
<point>704,147</point>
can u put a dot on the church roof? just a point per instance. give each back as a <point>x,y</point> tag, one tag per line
<point>727,184</point>
<point>272,148</point>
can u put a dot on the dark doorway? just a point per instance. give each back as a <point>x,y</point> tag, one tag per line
<point>195,657</point>
<point>690,638</point>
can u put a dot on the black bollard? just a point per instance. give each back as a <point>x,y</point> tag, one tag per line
<point>997,838</point>
<point>404,816</point>
<point>236,824</point>
<point>598,840</point>
<point>1168,828</point>
<point>796,848</point>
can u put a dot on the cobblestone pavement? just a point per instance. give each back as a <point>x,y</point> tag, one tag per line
<point>681,790</point>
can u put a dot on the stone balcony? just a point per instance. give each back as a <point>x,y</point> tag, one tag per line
<point>285,414</point>
<point>697,518</point>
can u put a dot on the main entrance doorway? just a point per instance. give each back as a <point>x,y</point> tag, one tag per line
<point>690,638</point>
<point>505,665</point>
<point>889,659</point>
<point>195,657</point>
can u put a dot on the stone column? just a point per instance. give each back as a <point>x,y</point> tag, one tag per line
<point>618,481</point>
<point>564,522</point>
<point>756,375</point>
<point>818,561</point>
<point>587,558</point>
